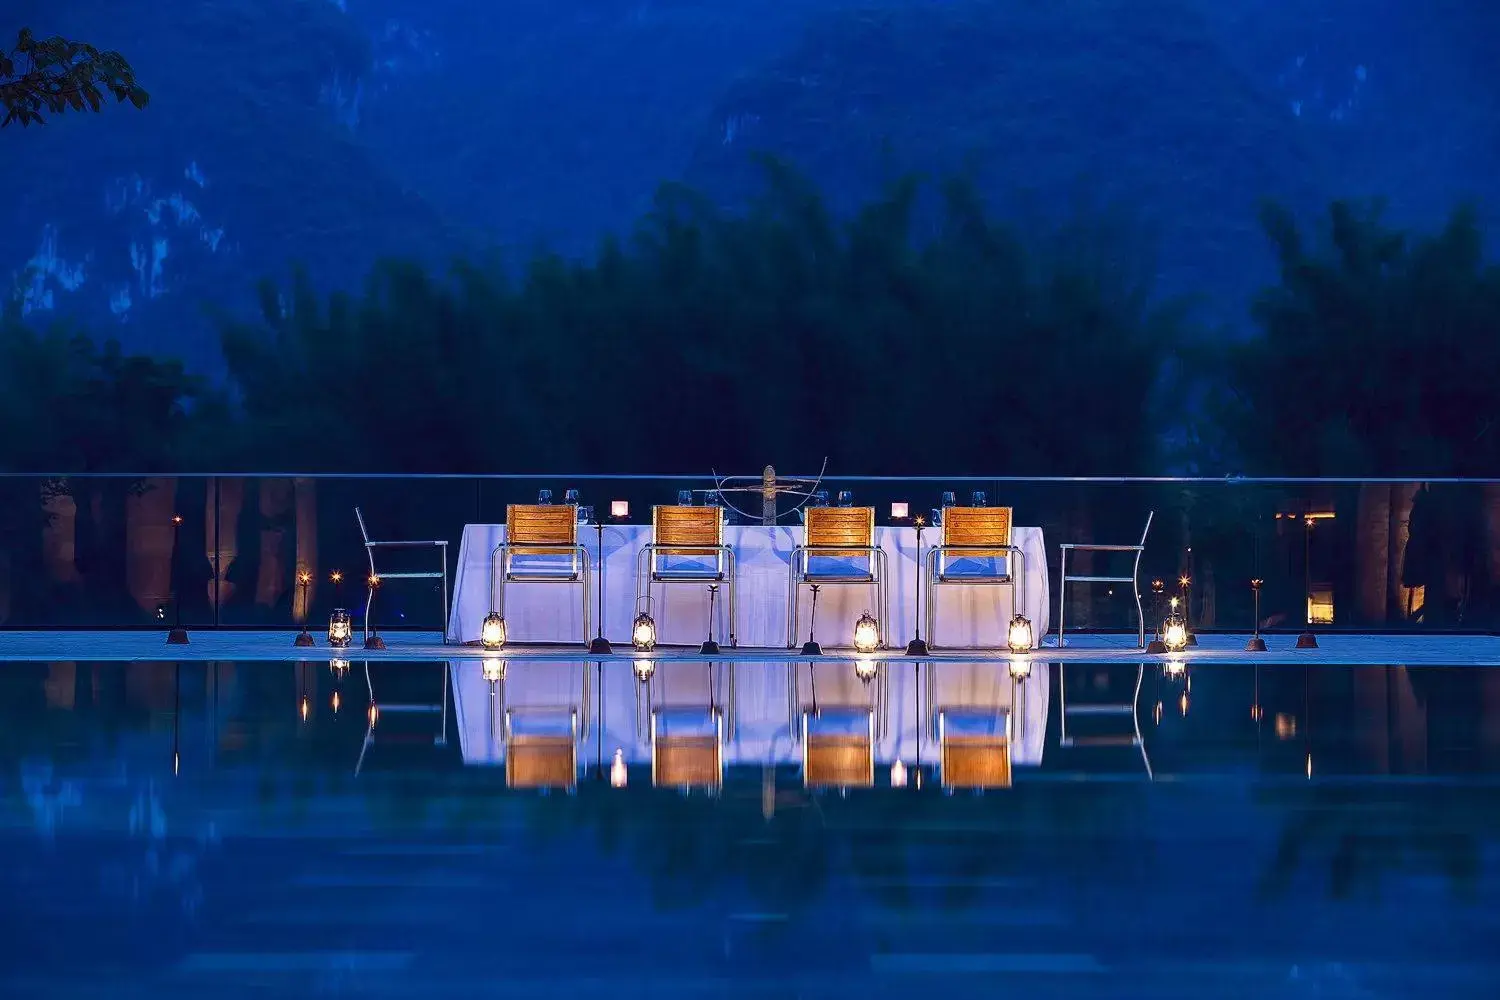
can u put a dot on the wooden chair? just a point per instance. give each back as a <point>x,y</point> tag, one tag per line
<point>1133,579</point>
<point>440,574</point>
<point>974,760</point>
<point>975,533</point>
<point>845,533</point>
<point>547,533</point>
<point>678,533</point>
<point>542,759</point>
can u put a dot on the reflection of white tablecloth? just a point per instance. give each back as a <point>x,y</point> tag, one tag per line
<point>536,612</point>
<point>764,722</point>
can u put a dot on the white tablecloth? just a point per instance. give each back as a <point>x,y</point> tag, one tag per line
<point>537,612</point>
<point>764,724</point>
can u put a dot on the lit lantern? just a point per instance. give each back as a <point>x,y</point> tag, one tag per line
<point>644,669</point>
<point>1174,634</point>
<point>900,511</point>
<point>1174,669</point>
<point>643,632</point>
<point>1020,669</point>
<point>618,775</point>
<point>619,508</point>
<point>340,628</point>
<point>866,633</point>
<point>1019,636</point>
<point>494,669</point>
<point>864,669</point>
<point>339,669</point>
<point>492,632</point>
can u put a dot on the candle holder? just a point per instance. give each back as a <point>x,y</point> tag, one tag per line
<point>918,646</point>
<point>178,635</point>
<point>1256,643</point>
<point>304,638</point>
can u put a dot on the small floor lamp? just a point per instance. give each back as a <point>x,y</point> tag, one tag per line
<point>918,645</point>
<point>599,646</point>
<point>811,647</point>
<point>711,647</point>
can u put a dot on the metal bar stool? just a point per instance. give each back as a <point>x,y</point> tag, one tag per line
<point>375,575</point>
<point>546,532</point>
<point>838,533</point>
<point>975,533</point>
<point>1133,579</point>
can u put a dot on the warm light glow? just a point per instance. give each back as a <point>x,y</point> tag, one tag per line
<point>1257,584</point>
<point>304,578</point>
<point>492,632</point>
<point>1286,726</point>
<point>337,576</point>
<point>1174,602</point>
<point>1183,703</point>
<point>864,669</point>
<point>338,668</point>
<point>1174,635</point>
<point>340,628</point>
<point>494,669</point>
<point>374,580</point>
<point>304,708</point>
<point>1157,586</point>
<point>643,633</point>
<point>866,633</point>
<point>898,774</point>
<point>1320,606</point>
<point>1020,669</point>
<point>619,508</point>
<point>618,775</point>
<point>1257,713</point>
<point>900,511</point>
<point>337,701</point>
<point>1309,765</point>
<point>1019,636</point>
<point>1175,669</point>
<point>644,669</point>
<point>1183,581</point>
<point>373,714</point>
<point>176,519</point>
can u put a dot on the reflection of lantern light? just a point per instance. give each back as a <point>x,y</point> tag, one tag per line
<point>866,633</point>
<point>492,632</point>
<point>864,669</point>
<point>304,708</point>
<point>494,669</point>
<point>1175,669</point>
<point>373,714</point>
<point>337,701</point>
<point>898,774</point>
<point>1286,726</point>
<point>340,628</point>
<point>339,668</point>
<point>1182,703</point>
<point>1174,634</point>
<point>643,633</point>
<point>1019,636</point>
<point>644,669</point>
<point>1020,669</point>
<point>618,775</point>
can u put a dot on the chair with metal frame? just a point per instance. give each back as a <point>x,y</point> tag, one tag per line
<point>845,533</point>
<point>1126,735</point>
<point>1133,579</point>
<point>974,760</point>
<point>975,533</point>
<point>376,576</point>
<point>547,531</point>
<point>681,532</point>
<point>841,758</point>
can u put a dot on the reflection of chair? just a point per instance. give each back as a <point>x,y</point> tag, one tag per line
<point>379,708</point>
<point>1113,723</point>
<point>687,760</point>
<point>969,759</point>
<point>371,545</point>
<point>541,546</point>
<point>1132,579</point>
<point>843,534</point>
<point>687,546</point>
<point>975,533</point>
<point>546,758</point>
<point>841,755</point>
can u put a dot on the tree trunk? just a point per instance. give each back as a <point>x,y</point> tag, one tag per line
<point>59,536</point>
<point>1372,553</point>
<point>149,556</point>
<point>273,578</point>
<point>306,494</point>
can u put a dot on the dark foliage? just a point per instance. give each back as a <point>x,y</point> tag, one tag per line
<point>54,75</point>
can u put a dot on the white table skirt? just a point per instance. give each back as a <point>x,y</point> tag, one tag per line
<point>763,726</point>
<point>550,612</point>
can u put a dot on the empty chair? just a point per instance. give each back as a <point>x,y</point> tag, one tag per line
<point>375,575</point>
<point>980,538</point>
<point>838,549</point>
<point>687,546</point>
<point>541,546</point>
<point>1133,579</point>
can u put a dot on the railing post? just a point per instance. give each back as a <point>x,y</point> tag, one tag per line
<point>768,496</point>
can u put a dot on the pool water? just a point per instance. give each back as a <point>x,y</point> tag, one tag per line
<point>192,829</point>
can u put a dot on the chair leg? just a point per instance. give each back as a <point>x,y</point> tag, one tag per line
<point>1062,592</point>
<point>794,589</point>
<point>733,609</point>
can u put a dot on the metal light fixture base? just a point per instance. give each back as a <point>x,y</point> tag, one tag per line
<point>304,638</point>
<point>1307,641</point>
<point>1156,648</point>
<point>374,642</point>
<point>599,646</point>
<point>711,648</point>
<point>177,637</point>
<point>811,648</point>
<point>1255,645</point>
<point>918,647</point>
<point>1192,639</point>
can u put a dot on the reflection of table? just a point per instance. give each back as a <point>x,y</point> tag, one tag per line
<point>762,729</point>
<point>967,616</point>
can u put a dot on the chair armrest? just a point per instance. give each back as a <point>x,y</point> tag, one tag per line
<point>406,545</point>
<point>1089,547</point>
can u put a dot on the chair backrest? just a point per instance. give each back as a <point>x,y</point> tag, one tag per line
<point>978,527</point>
<point>828,528</point>
<point>541,761</point>
<point>687,762</point>
<point>841,760</point>
<point>687,531</point>
<point>362,531</point>
<point>975,762</point>
<point>541,529</point>
<point>1147,530</point>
